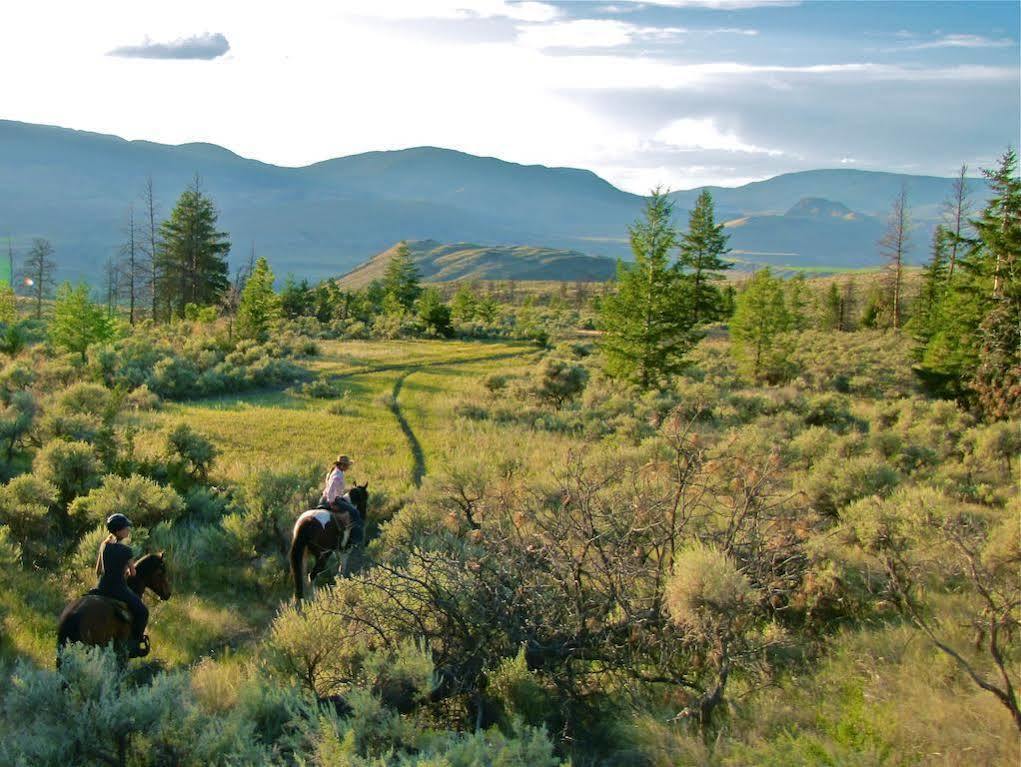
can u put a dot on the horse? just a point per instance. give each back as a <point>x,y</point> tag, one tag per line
<point>318,533</point>
<point>95,619</point>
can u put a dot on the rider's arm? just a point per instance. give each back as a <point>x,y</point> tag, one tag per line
<point>131,569</point>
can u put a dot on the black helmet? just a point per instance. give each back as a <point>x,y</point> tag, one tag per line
<point>117,522</point>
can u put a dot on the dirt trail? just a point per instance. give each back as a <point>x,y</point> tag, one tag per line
<point>419,469</point>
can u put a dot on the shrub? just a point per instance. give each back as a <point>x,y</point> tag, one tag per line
<point>705,588</point>
<point>560,382</point>
<point>190,451</point>
<point>72,466</point>
<point>143,500</point>
<point>25,508</point>
<point>834,482</point>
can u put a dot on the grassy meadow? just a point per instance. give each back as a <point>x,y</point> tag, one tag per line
<point>835,676</point>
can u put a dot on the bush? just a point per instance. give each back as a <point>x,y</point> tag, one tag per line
<point>25,508</point>
<point>72,466</point>
<point>143,500</point>
<point>705,587</point>
<point>835,481</point>
<point>189,452</point>
<point>560,382</point>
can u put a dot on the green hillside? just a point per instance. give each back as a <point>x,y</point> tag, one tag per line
<point>438,262</point>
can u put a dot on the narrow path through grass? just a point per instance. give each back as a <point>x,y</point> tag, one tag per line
<point>417,454</point>
<point>418,470</point>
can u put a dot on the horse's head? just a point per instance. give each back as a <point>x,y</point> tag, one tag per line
<point>359,495</point>
<point>151,571</point>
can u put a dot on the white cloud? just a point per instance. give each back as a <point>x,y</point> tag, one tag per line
<point>962,41</point>
<point>590,33</point>
<point>726,5</point>
<point>701,134</point>
<point>451,9</point>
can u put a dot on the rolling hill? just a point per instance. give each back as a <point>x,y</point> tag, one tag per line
<point>75,189</point>
<point>438,262</point>
<point>814,232</point>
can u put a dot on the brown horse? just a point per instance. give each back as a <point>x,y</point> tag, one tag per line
<point>98,620</point>
<point>320,532</point>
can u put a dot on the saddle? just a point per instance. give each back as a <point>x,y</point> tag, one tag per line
<point>120,608</point>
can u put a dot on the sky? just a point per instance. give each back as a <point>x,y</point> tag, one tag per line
<point>678,93</point>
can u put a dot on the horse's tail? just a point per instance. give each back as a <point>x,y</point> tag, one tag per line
<point>69,630</point>
<point>299,544</point>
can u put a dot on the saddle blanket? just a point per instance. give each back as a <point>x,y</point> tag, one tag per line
<point>119,607</point>
<point>322,516</point>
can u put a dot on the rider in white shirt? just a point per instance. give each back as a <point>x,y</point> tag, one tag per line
<point>335,497</point>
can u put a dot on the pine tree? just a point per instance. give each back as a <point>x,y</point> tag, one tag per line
<point>434,314</point>
<point>832,308</point>
<point>756,330</point>
<point>37,272</point>
<point>193,254</point>
<point>925,315</point>
<point>798,302</point>
<point>402,280</point>
<point>296,298</point>
<point>997,378</point>
<point>894,246</point>
<point>702,248</point>
<point>464,305</point>
<point>973,352</point>
<point>649,322</point>
<point>259,307</point>
<point>77,322</point>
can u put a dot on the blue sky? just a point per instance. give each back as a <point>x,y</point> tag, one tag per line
<point>678,92</point>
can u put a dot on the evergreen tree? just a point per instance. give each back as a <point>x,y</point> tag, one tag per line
<point>798,302</point>
<point>296,298</point>
<point>832,308</point>
<point>756,330</point>
<point>192,262</point>
<point>464,304</point>
<point>649,322</point>
<point>972,352</point>
<point>702,248</point>
<point>77,322</point>
<point>997,378</point>
<point>260,306</point>
<point>37,273</point>
<point>401,280</point>
<point>925,315</point>
<point>434,314</point>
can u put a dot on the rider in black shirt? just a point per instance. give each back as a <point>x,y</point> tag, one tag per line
<point>114,562</point>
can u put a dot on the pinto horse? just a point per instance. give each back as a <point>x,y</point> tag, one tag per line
<point>98,620</point>
<point>320,532</point>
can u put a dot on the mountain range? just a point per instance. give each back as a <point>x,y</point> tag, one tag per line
<point>75,189</point>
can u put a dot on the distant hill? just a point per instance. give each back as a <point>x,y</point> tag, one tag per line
<point>74,188</point>
<point>813,232</point>
<point>465,261</point>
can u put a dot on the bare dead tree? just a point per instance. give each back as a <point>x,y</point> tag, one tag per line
<point>150,245</point>
<point>893,246</point>
<point>956,211</point>
<point>38,272</point>
<point>134,272</point>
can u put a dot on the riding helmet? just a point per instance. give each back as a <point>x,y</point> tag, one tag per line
<point>117,522</point>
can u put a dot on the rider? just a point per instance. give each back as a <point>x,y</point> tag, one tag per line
<point>336,499</point>
<point>115,560</point>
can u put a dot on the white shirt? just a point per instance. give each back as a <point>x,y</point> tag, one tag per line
<point>335,487</point>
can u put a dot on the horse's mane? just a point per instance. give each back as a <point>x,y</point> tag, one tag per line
<point>149,564</point>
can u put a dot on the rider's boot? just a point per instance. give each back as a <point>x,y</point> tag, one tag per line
<point>138,648</point>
